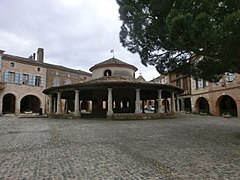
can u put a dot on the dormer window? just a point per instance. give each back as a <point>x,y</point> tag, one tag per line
<point>108,73</point>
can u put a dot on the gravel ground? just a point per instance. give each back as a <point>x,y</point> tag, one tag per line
<point>191,147</point>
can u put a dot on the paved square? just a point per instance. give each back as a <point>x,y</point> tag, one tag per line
<point>192,147</point>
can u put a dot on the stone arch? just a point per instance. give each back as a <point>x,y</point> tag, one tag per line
<point>226,104</point>
<point>84,105</point>
<point>202,105</point>
<point>9,103</point>
<point>30,103</point>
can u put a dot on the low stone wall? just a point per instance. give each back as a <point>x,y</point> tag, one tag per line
<point>123,116</point>
<point>144,116</point>
<point>63,116</point>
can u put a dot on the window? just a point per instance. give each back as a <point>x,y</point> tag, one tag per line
<point>25,79</point>
<point>56,82</point>
<point>11,77</point>
<point>163,80</point>
<point>37,80</point>
<point>205,83</point>
<point>12,64</point>
<point>229,77</point>
<point>198,83</point>
<point>107,73</point>
<point>166,80</point>
<point>38,69</point>
<point>68,81</point>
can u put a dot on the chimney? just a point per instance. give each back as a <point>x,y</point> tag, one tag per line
<point>1,52</point>
<point>40,55</point>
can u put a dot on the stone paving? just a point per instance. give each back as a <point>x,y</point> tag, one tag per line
<point>192,147</point>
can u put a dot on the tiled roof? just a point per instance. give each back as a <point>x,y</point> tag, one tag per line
<point>113,81</point>
<point>43,64</point>
<point>113,62</point>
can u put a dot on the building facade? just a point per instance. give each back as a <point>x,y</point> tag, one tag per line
<point>183,82</point>
<point>22,81</point>
<point>202,97</point>
<point>219,99</point>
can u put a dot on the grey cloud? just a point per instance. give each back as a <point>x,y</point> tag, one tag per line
<point>73,36</point>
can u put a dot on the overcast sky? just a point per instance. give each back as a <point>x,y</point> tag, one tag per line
<point>74,33</point>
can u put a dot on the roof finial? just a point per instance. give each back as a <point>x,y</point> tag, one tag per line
<point>112,51</point>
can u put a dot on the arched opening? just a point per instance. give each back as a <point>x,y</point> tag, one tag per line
<point>30,104</point>
<point>69,106</point>
<point>202,105</point>
<point>107,73</point>
<point>166,105</point>
<point>9,104</point>
<point>227,105</point>
<point>150,106</point>
<point>84,106</point>
<point>187,105</point>
<point>104,104</point>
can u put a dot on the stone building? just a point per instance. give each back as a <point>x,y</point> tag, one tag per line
<point>22,81</point>
<point>114,92</point>
<point>202,97</point>
<point>219,99</point>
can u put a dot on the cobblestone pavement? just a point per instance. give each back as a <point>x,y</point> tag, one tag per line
<point>192,147</point>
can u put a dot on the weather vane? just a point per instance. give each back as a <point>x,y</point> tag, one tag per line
<point>112,51</point>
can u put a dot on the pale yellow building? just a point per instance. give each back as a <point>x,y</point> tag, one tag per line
<point>22,81</point>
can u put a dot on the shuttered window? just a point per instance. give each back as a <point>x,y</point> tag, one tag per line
<point>31,80</point>
<point>43,81</point>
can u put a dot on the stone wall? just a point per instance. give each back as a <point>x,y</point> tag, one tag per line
<point>144,116</point>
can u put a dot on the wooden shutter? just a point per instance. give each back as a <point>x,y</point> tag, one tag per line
<point>20,78</point>
<point>6,76</point>
<point>43,81</point>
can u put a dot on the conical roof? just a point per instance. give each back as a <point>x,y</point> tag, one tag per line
<point>113,62</point>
